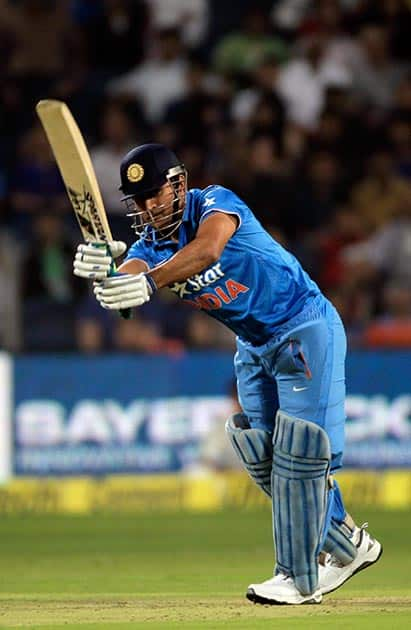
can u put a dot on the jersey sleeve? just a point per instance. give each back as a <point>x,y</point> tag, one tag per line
<point>219,199</point>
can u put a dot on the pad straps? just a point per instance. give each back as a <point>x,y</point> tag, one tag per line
<point>253,447</point>
<point>338,541</point>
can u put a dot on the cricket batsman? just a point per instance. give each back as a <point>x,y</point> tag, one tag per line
<point>211,251</point>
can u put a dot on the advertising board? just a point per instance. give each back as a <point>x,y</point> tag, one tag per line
<point>153,415</point>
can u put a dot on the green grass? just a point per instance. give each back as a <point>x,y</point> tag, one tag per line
<point>182,571</point>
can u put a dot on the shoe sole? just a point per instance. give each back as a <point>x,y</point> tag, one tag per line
<point>258,599</point>
<point>362,566</point>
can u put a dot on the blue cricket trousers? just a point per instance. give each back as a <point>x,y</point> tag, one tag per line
<point>300,371</point>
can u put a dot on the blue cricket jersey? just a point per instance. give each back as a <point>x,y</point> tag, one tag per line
<point>255,286</point>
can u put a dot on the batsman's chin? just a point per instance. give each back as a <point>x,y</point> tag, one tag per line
<point>161,225</point>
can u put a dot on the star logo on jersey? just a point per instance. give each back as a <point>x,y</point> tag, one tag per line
<point>180,289</point>
<point>199,281</point>
<point>209,201</point>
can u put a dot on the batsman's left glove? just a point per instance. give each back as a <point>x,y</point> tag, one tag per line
<point>124,290</point>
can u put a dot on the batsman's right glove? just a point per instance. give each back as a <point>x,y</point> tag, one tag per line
<point>94,261</point>
<point>124,290</point>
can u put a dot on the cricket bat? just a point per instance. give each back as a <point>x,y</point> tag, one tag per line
<point>76,168</point>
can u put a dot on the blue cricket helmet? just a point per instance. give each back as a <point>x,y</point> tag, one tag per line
<point>146,168</point>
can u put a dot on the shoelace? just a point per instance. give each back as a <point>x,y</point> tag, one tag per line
<point>280,576</point>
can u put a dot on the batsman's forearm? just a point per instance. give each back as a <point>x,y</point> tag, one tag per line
<point>193,258</point>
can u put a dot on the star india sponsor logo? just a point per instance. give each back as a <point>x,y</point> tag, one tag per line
<point>198,282</point>
<point>216,297</point>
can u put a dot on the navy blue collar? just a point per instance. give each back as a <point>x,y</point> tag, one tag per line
<point>186,211</point>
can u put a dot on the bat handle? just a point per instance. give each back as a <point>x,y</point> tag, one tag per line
<point>125,313</point>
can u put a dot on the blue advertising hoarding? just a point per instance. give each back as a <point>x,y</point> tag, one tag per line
<point>77,415</point>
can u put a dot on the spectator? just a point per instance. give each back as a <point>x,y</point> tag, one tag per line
<point>49,289</point>
<point>376,75</point>
<point>355,306</point>
<point>240,52</point>
<point>259,105</point>
<point>317,195</point>
<point>399,137</point>
<point>115,35</point>
<point>343,230</point>
<point>205,335</point>
<point>43,44</point>
<point>392,329</point>
<point>159,80</point>
<point>379,194</point>
<point>265,187</point>
<point>303,81</point>
<point>89,336</point>
<point>47,265</point>
<point>394,15</point>
<point>329,135</point>
<point>201,108</point>
<point>386,254</point>
<point>93,326</point>
<point>194,158</point>
<point>327,19</point>
<point>402,97</point>
<point>191,17</point>
<point>287,15</point>
<point>38,31</point>
<point>140,335</point>
<point>35,182</point>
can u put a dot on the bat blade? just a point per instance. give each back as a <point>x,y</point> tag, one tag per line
<point>76,169</point>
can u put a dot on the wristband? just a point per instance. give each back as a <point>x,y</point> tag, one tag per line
<point>151,282</point>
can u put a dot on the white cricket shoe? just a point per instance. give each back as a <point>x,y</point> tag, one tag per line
<point>280,589</point>
<point>332,574</point>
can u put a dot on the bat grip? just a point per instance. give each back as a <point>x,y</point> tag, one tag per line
<point>125,313</point>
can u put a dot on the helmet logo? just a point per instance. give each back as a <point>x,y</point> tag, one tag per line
<point>135,172</point>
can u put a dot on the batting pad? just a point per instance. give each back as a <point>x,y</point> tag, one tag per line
<point>253,447</point>
<point>338,542</point>
<point>301,505</point>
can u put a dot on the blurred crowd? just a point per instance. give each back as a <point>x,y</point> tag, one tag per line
<point>302,107</point>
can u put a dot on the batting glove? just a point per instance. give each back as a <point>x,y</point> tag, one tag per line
<point>126,290</point>
<point>94,261</point>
